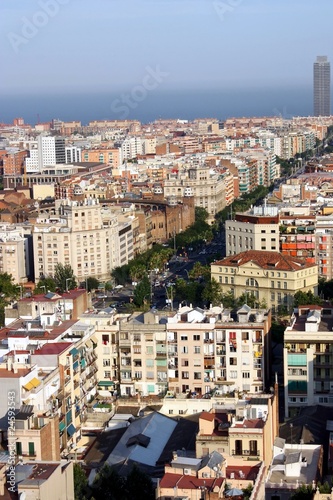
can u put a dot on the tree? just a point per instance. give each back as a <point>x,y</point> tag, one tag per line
<point>64,277</point>
<point>142,292</point>
<point>45,285</point>
<point>304,492</point>
<point>247,298</point>
<point>139,485</point>
<point>121,274</point>
<point>80,483</point>
<point>92,284</point>
<point>201,214</point>
<point>306,298</point>
<point>8,291</point>
<point>137,271</point>
<point>212,293</point>
<point>228,300</point>
<point>108,485</point>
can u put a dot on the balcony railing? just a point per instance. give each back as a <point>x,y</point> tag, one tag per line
<point>245,453</point>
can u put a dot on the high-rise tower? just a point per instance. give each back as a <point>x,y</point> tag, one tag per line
<point>321,87</point>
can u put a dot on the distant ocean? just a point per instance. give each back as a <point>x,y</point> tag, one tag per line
<point>155,104</point>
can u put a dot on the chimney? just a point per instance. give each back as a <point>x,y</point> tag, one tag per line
<point>174,455</point>
<point>9,363</point>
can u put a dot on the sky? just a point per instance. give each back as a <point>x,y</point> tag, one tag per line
<point>81,45</point>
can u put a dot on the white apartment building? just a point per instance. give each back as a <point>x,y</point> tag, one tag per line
<point>252,232</point>
<point>308,359</point>
<point>46,151</point>
<point>82,235</point>
<point>131,147</point>
<point>73,154</point>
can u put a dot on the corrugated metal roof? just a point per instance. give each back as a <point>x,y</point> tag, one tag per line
<point>155,426</point>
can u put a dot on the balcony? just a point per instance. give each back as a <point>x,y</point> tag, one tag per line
<point>245,453</point>
<point>220,352</point>
<point>173,379</point>
<point>161,354</point>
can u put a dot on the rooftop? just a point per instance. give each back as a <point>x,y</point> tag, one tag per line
<point>265,260</point>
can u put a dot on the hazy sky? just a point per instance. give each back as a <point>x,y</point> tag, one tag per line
<point>81,45</point>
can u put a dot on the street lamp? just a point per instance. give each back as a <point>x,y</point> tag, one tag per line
<point>67,280</point>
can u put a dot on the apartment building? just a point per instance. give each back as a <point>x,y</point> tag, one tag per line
<point>189,351</point>
<point>36,438</point>
<point>45,480</point>
<point>108,156</point>
<point>242,432</point>
<point>13,162</point>
<point>324,245</point>
<point>207,187</point>
<point>13,256</point>
<point>46,151</point>
<point>83,235</point>
<point>253,231</point>
<point>273,278</point>
<point>308,359</point>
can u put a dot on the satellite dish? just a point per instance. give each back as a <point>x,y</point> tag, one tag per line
<point>22,496</point>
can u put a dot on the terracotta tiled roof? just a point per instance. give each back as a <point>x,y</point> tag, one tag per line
<point>189,482</point>
<point>265,260</point>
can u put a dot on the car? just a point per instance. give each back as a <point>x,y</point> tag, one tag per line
<point>102,296</point>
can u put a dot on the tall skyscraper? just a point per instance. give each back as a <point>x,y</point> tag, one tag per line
<point>321,87</point>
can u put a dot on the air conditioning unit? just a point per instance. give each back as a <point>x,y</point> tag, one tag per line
<point>187,472</point>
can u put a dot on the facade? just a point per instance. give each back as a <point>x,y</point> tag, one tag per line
<point>187,352</point>
<point>308,359</point>
<point>245,431</point>
<point>83,235</point>
<point>273,278</point>
<point>208,189</point>
<point>45,480</point>
<point>46,151</point>
<point>251,231</point>
<point>13,252</point>
<point>321,87</point>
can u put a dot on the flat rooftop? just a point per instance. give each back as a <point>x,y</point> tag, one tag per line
<point>307,475</point>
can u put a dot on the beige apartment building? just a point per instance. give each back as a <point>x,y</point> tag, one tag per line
<point>186,351</point>
<point>208,189</point>
<point>12,252</point>
<point>245,432</point>
<point>84,235</point>
<point>273,278</point>
<point>46,480</point>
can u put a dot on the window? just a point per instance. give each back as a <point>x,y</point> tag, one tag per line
<point>31,447</point>
<point>246,374</point>
<point>196,337</point>
<point>196,349</point>
<point>183,337</point>
<point>106,362</point>
<point>185,375</point>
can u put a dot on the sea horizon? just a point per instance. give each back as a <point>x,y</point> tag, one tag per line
<point>157,104</point>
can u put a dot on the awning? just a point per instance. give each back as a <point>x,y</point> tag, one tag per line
<point>83,363</point>
<point>62,426</point>
<point>76,365</point>
<point>93,339</point>
<point>71,430</point>
<point>106,383</point>
<point>28,386</point>
<point>74,351</point>
<point>34,382</point>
